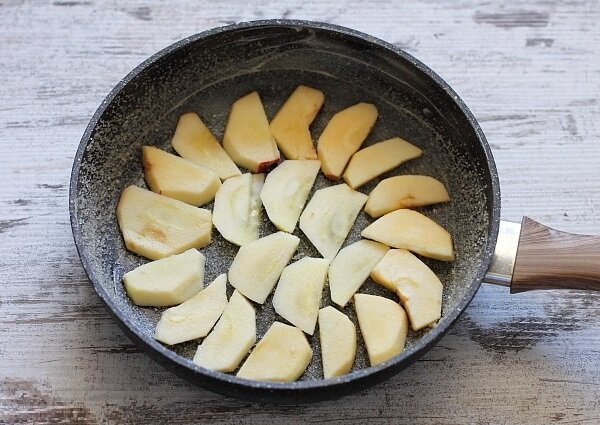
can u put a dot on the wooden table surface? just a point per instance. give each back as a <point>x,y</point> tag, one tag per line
<point>530,72</point>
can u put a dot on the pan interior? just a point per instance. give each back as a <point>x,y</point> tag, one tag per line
<point>207,75</point>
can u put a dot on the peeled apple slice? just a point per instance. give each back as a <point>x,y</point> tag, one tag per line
<point>298,294</point>
<point>411,230</point>
<point>231,339</point>
<point>343,135</point>
<point>290,127</point>
<point>283,354</point>
<point>405,192</point>
<point>248,139</point>
<point>195,317</point>
<point>338,342</point>
<point>373,161</point>
<point>156,227</point>
<point>236,211</point>
<point>166,282</point>
<point>329,216</point>
<point>258,264</point>
<point>383,325</point>
<point>418,287</point>
<point>194,142</point>
<point>286,190</point>
<point>177,178</point>
<point>351,267</point>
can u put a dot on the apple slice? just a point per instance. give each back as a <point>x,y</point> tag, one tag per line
<point>233,336</point>
<point>178,178</point>
<point>329,216</point>
<point>344,134</point>
<point>248,139</point>
<point>383,325</point>
<point>405,192</point>
<point>351,267</point>
<point>258,264</point>
<point>286,190</point>
<point>298,294</point>
<point>411,230</point>
<point>166,282</point>
<point>194,142</point>
<point>373,161</point>
<point>195,317</point>
<point>418,287</point>
<point>290,127</point>
<point>236,212</point>
<point>338,342</point>
<point>155,226</point>
<point>283,354</point>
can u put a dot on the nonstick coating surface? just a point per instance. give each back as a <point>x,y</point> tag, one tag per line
<point>206,73</point>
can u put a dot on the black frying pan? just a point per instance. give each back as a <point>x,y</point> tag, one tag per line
<point>206,73</point>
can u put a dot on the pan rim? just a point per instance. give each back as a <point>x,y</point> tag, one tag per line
<point>185,365</point>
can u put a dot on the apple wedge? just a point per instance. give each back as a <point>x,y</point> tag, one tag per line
<point>194,142</point>
<point>283,354</point>
<point>405,192</point>
<point>177,178</point>
<point>411,230</point>
<point>383,325</point>
<point>195,317</point>
<point>248,139</point>
<point>286,190</point>
<point>351,267</point>
<point>258,264</point>
<point>237,208</point>
<point>298,294</point>
<point>155,226</point>
<point>418,287</point>
<point>343,135</point>
<point>166,282</point>
<point>329,216</point>
<point>290,127</point>
<point>373,161</point>
<point>338,342</point>
<point>231,339</point>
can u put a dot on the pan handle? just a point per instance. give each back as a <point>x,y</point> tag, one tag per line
<point>550,259</point>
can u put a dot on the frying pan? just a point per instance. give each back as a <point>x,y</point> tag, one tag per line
<point>206,73</point>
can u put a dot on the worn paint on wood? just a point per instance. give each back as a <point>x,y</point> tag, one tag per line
<point>530,74</point>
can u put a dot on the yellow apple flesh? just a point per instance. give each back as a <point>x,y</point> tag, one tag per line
<point>383,325</point>
<point>286,190</point>
<point>177,178</point>
<point>411,230</point>
<point>418,287</point>
<point>329,216</point>
<point>258,264</point>
<point>166,282</point>
<point>248,139</point>
<point>195,317</point>
<point>194,142</point>
<point>231,339</point>
<point>343,135</point>
<point>290,127</point>
<point>338,342</point>
<point>155,226</point>
<point>373,161</point>
<point>298,294</point>
<point>405,192</point>
<point>351,267</point>
<point>283,355</point>
<point>237,208</point>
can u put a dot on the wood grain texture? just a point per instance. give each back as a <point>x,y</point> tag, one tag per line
<point>550,259</point>
<point>528,71</point>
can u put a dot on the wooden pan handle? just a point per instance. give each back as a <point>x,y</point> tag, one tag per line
<point>550,259</point>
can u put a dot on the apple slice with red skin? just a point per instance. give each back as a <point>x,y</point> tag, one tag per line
<point>248,139</point>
